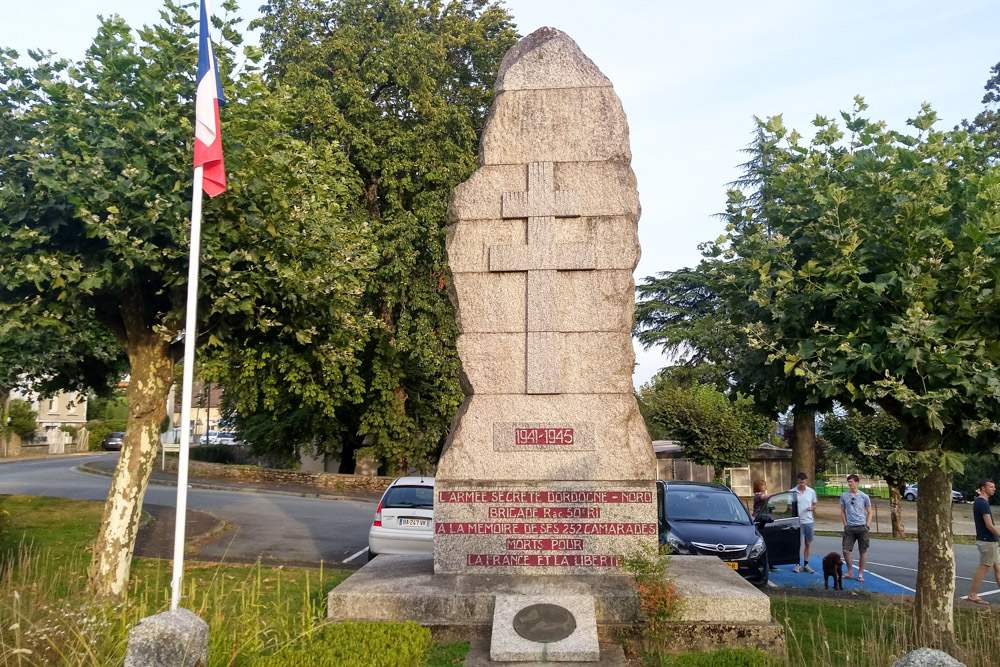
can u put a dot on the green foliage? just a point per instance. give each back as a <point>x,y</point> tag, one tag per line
<point>987,122</point>
<point>351,644</point>
<point>975,469</point>
<point>97,429</point>
<point>403,90</point>
<point>213,454</point>
<point>724,657</point>
<point>874,442</point>
<point>23,420</point>
<point>714,429</point>
<point>659,601</point>
<point>108,408</point>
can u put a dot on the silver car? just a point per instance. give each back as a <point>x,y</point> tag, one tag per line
<point>404,521</point>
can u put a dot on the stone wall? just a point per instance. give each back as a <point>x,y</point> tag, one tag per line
<point>318,480</point>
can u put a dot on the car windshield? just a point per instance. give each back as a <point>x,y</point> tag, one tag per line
<point>685,504</point>
<point>418,497</point>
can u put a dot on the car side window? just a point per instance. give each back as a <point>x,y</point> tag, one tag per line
<point>781,506</point>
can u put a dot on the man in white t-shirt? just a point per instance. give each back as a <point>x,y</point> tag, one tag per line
<point>806,501</point>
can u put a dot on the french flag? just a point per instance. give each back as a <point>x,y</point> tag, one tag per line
<point>207,130</point>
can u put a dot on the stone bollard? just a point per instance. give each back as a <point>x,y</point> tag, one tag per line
<point>171,639</point>
<point>927,657</point>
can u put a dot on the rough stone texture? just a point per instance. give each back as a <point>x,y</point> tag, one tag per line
<point>548,59</point>
<point>567,125</point>
<point>319,480</point>
<point>927,657</point>
<point>714,593</point>
<point>541,245</point>
<point>405,588</point>
<point>176,638</point>
<point>507,645</point>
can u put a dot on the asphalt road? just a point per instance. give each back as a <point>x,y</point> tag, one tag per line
<point>276,528</point>
<point>281,528</point>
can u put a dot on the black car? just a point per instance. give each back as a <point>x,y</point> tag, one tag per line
<point>705,519</point>
<point>113,441</point>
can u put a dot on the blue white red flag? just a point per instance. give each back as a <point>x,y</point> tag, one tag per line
<point>208,99</point>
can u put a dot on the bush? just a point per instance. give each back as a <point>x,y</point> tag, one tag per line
<point>726,657</point>
<point>99,428</point>
<point>214,454</point>
<point>349,644</point>
<point>22,418</point>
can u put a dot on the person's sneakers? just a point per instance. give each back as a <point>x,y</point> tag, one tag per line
<point>809,570</point>
<point>797,568</point>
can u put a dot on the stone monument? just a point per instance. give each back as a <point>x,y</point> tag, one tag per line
<point>548,468</point>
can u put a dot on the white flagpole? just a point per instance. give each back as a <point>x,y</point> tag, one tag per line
<point>190,334</point>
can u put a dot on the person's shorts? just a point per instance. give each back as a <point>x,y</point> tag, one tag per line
<point>989,553</point>
<point>808,531</point>
<point>857,534</point>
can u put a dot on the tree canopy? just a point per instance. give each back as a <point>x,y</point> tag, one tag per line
<point>875,255</point>
<point>402,90</point>
<point>95,179</point>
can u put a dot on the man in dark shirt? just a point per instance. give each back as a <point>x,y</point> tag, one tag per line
<point>986,539</point>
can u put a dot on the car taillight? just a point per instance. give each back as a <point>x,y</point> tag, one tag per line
<point>378,516</point>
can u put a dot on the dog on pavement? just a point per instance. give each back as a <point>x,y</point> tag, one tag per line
<point>833,567</point>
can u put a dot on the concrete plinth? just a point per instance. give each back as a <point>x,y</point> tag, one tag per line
<point>508,645</point>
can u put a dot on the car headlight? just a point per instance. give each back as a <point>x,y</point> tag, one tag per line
<point>758,548</point>
<point>677,545</point>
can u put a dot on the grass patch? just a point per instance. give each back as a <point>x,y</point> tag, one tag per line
<point>47,617</point>
<point>821,631</point>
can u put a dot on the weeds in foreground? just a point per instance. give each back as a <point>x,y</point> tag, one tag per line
<point>46,616</point>
<point>659,601</point>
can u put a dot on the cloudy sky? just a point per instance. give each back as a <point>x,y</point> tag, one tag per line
<point>691,77</point>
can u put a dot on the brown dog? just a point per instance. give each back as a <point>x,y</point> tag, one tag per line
<point>833,567</point>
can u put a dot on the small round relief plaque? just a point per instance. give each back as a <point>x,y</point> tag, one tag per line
<point>544,623</point>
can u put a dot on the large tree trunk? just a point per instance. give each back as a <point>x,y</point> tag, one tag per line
<point>804,448</point>
<point>896,511</point>
<point>151,374</point>
<point>935,597</point>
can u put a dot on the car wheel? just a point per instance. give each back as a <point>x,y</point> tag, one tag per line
<point>762,584</point>
<point>910,497</point>
<point>371,555</point>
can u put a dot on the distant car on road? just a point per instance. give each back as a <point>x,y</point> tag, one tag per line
<point>219,438</point>
<point>910,493</point>
<point>404,520</point>
<point>113,441</point>
<point>705,519</point>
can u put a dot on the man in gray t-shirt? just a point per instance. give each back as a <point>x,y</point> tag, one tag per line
<point>856,513</point>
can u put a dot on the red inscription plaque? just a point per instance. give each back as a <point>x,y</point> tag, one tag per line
<point>546,544</point>
<point>544,436</point>
<point>462,528</point>
<point>542,497</point>
<point>542,560</point>
<point>543,512</point>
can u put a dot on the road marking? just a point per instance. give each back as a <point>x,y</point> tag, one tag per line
<point>348,560</point>
<point>982,595</point>
<point>912,569</point>
<point>896,583</point>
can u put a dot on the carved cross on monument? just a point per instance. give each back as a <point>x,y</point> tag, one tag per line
<point>541,258</point>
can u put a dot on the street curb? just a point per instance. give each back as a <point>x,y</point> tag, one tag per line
<point>224,487</point>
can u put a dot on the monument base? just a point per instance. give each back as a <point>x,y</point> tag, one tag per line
<point>721,608</point>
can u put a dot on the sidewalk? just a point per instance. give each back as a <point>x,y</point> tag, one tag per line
<point>170,479</point>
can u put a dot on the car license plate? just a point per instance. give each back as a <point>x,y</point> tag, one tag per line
<point>413,522</point>
<point>735,566</point>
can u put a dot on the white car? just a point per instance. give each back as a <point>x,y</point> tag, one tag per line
<point>404,520</point>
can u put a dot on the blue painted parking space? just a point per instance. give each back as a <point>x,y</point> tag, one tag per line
<point>784,577</point>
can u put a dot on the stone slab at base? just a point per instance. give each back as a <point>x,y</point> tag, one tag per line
<point>714,593</point>
<point>405,588</point>
<point>580,646</point>
<point>611,655</point>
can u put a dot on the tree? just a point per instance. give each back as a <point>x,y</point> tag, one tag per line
<point>874,442</point>
<point>876,257</point>
<point>403,88</point>
<point>22,419</point>
<point>715,430</point>
<point>987,121</point>
<point>94,219</point>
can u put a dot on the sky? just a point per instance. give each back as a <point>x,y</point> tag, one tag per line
<point>692,76</point>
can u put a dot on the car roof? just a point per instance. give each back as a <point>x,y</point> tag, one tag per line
<point>413,481</point>
<point>705,486</point>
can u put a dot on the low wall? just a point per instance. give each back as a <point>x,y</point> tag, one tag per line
<point>319,480</point>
